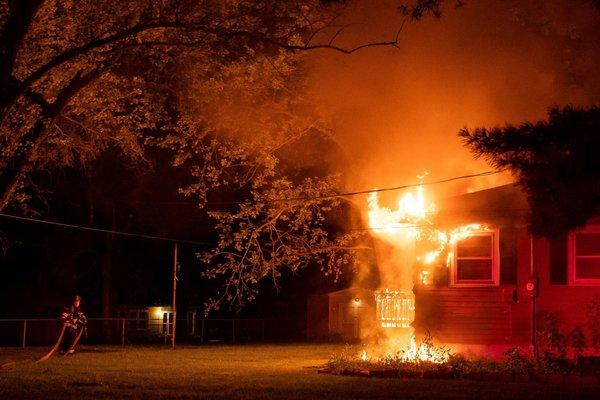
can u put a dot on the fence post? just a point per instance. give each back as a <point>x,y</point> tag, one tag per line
<point>24,333</point>
<point>123,333</point>
<point>202,332</point>
<point>174,325</point>
<point>233,330</point>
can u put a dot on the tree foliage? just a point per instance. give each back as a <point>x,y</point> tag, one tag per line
<point>282,225</point>
<point>555,162</point>
<point>217,83</point>
<point>78,76</point>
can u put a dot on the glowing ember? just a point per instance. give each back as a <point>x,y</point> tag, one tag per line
<point>424,278</point>
<point>363,355</point>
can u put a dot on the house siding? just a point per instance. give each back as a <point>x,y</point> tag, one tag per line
<point>567,301</point>
<point>500,315</point>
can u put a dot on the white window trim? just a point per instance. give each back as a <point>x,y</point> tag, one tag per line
<point>495,233</point>
<point>571,257</point>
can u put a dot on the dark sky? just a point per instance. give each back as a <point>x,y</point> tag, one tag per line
<point>396,112</point>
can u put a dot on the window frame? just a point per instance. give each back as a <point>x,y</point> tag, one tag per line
<point>572,256</point>
<point>495,281</point>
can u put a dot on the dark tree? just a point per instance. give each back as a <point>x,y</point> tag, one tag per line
<point>216,84</point>
<point>78,76</point>
<point>556,162</point>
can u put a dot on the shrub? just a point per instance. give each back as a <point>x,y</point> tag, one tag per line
<point>577,340</point>
<point>482,365</point>
<point>344,360</point>
<point>458,364</point>
<point>593,322</point>
<point>552,342</point>
<point>517,361</point>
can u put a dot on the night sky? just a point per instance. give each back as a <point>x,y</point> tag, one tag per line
<point>393,113</point>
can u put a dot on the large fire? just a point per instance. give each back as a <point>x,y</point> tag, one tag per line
<point>410,213</point>
<point>402,228</point>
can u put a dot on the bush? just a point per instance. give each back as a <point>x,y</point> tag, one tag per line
<point>552,341</point>
<point>577,340</point>
<point>458,364</point>
<point>593,322</point>
<point>517,361</point>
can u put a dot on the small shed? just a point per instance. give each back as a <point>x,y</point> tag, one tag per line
<point>155,320</point>
<point>340,314</point>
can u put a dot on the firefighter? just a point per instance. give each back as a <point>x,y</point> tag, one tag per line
<point>75,323</point>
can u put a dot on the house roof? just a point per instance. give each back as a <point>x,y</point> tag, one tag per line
<point>501,204</point>
<point>351,291</point>
<point>507,197</point>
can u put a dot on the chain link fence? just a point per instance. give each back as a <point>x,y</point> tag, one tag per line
<point>25,332</point>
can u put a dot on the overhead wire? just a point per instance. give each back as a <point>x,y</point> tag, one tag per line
<point>366,191</point>
<point>305,198</point>
<point>112,232</point>
<point>345,194</point>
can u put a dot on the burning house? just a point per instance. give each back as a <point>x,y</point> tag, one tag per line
<point>468,272</point>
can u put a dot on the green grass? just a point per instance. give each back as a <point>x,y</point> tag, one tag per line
<point>230,372</point>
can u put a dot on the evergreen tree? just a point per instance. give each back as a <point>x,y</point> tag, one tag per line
<point>556,163</point>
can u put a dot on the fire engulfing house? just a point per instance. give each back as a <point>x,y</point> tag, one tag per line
<point>496,286</point>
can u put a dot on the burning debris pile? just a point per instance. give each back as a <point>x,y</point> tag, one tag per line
<point>424,356</point>
<point>432,362</point>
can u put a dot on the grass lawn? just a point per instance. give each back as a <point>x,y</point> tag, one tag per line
<point>230,372</point>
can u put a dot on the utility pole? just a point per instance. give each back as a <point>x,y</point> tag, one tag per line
<point>532,288</point>
<point>174,294</point>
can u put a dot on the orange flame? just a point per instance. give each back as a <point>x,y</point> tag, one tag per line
<point>411,210</point>
<point>410,222</point>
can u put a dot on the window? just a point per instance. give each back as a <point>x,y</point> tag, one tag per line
<point>475,260</point>
<point>584,256</point>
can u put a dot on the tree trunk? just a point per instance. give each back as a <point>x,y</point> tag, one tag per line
<point>18,165</point>
<point>20,15</point>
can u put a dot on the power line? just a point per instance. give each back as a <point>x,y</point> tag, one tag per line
<point>87,228</point>
<point>385,228</point>
<point>455,178</point>
<point>345,194</point>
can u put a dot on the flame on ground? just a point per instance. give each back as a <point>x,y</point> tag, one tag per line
<point>363,356</point>
<point>423,352</point>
